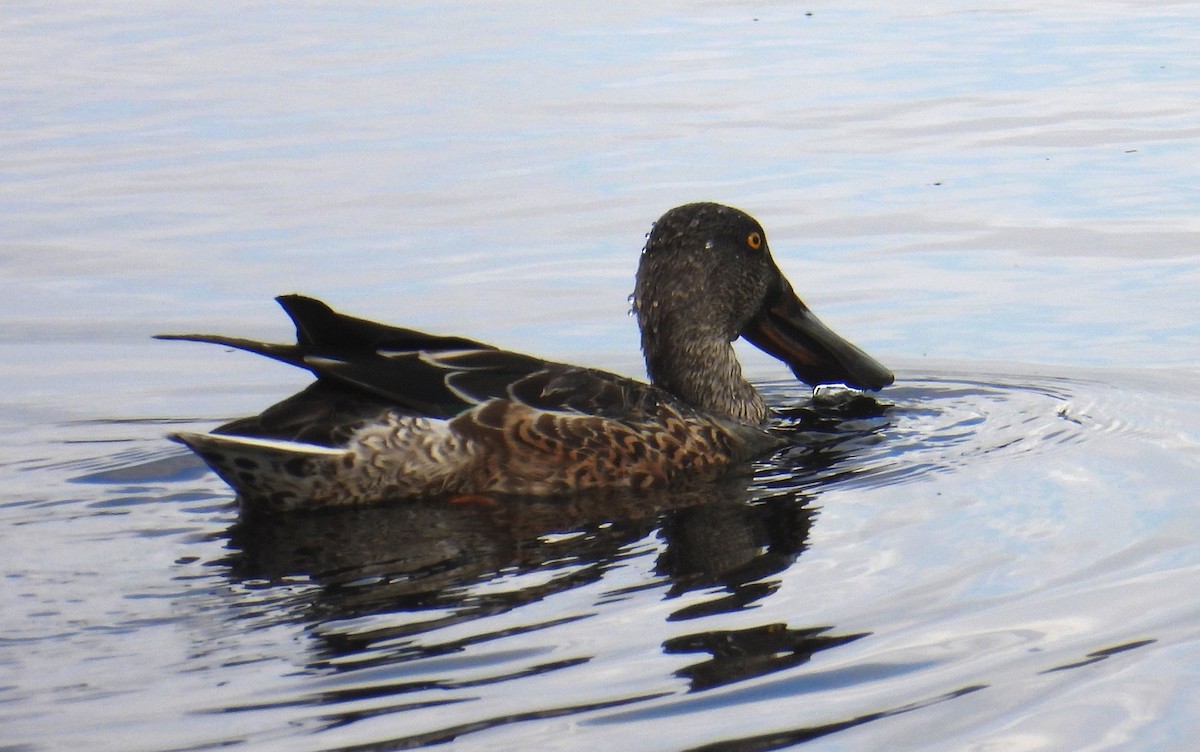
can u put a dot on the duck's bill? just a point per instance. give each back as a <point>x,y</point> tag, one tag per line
<point>788,330</point>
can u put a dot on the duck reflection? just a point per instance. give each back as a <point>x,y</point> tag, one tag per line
<point>431,554</point>
<point>717,548</point>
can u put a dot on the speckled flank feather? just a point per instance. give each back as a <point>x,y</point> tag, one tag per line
<point>520,449</point>
<point>501,446</point>
<point>396,413</point>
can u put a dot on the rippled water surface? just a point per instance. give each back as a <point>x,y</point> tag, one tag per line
<point>998,552</point>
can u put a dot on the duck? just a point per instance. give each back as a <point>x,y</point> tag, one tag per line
<point>396,414</point>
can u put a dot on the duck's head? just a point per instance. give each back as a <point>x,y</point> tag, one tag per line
<point>705,278</point>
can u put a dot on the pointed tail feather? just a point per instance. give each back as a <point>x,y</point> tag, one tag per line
<point>290,354</point>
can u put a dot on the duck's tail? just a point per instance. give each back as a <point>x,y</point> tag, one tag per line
<point>271,474</point>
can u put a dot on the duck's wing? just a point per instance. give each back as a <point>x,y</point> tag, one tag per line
<point>378,363</point>
<point>363,366</point>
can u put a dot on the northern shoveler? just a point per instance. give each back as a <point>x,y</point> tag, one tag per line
<point>396,413</point>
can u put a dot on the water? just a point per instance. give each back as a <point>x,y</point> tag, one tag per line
<point>999,203</point>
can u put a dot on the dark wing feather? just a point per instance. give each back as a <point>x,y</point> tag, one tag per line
<point>379,361</point>
<point>322,330</point>
<point>363,367</point>
<point>324,413</point>
<point>591,392</point>
<point>425,381</point>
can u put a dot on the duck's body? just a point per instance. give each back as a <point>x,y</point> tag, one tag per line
<point>397,414</point>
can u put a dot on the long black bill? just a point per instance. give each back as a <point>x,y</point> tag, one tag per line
<point>787,329</point>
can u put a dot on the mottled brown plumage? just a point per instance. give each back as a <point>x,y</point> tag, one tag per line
<point>398,414</point>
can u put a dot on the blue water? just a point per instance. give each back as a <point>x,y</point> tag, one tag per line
<point>1000,203</point>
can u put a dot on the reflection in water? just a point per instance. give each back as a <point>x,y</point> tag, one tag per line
<point>438,611</point>
<point>784,739</point>
<point>734,545</point>
<point>700,616</point>
<point>384,586</point>
<point>439,556</point>
<point>164,169</point>
<point>414,554</point>
<point>744,653</point>
<point>1099,655</point>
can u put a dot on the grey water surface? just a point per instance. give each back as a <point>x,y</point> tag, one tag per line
<point>997,553</point>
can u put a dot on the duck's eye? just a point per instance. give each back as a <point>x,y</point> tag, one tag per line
<point>754,240</point>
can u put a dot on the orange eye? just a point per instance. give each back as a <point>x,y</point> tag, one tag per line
<point>754,240</point>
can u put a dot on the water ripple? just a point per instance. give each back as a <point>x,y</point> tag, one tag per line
<point>635,613</point>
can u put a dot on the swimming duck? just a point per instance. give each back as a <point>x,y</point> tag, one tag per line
<point>396,413</point>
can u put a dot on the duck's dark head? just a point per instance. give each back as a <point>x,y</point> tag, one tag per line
<point>705,278</point>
